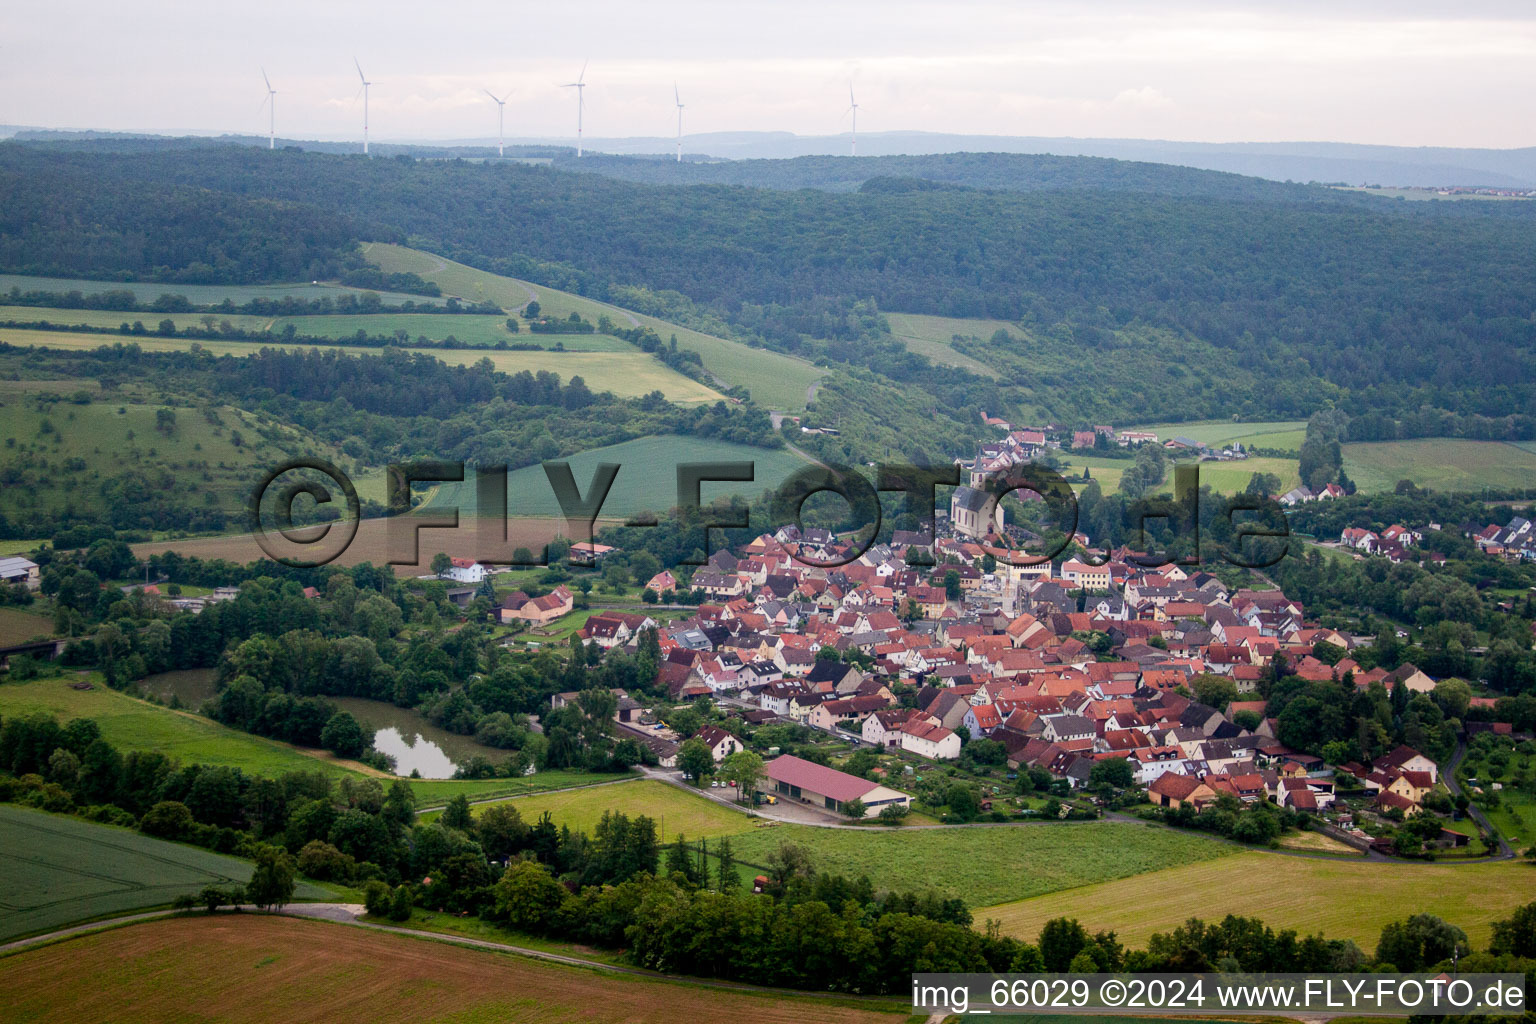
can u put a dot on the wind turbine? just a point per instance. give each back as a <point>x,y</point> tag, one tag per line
<point>270,101</point>
<point>501,115</point>
<point>853,108</point>
<point>679,101</point>
<point>581,105</point>
<point>364,90</point>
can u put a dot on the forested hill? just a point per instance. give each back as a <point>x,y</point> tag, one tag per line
<point>1376,298</point>
<point>1014,172</point>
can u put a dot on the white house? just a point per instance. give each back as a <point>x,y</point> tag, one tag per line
<point>465,570</point>
<point>925,739</point>
<point>721,744</point>
<point>883,728</point>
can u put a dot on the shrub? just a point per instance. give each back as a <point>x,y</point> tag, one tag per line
<point>168,819</point>
<point>376,897</point>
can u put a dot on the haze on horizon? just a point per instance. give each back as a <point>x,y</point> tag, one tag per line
<point>1407,74</point>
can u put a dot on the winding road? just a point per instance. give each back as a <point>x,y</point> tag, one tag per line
<point>1473,811</point>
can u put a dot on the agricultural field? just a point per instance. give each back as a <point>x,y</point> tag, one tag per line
<point>1232,477</point>
<point>626,374</point>
<point>646,482</point>
<point>777,381</point>
<point>1342,899</point>
<point>467,328</point>
<point>60,870</point>
<point>1287,434</point>
<point>113,319</point>
<point>256,969</point>
<point>932,336</point>
<point>133,724</point>
<point>1440,463</point>
<point>18,625</point>
<point>672,809</point>
<point>1223,477</point>
<point>200,294</point>
<point>66,450</point>
<point>983,866</point>
<point>372,545</point>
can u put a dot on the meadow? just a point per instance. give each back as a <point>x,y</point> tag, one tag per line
<point>1440,463</point>
<point>133,724</point>
<point>932,336</point>
<point>112,319</point>
<point>60,870</point>
<point>673,810</point>
<point>646,482</point>
<point>1342,899</point>
<point>257,969</point>
<point>1287,434</point>
<point>18,625</point>
<point>466,328</point>
<point>201,294</point>
<point>84,444</point>
<point>627,374</point>
<point>776,381</point>
<point>984,866</point>
<point>1222,477</point>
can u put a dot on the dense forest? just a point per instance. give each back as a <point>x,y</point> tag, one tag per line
<point>1393,307</point>
<point>1016,172</point>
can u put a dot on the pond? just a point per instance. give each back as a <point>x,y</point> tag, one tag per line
<point>412,740</point>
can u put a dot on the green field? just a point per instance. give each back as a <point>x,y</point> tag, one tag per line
<point>18,626</point>
<point>132,724</point>
<point>626,374</point>
<point>647,479</point>
<point>932,336</point>
<point>59,870</point>
<point>467,328</point>
<point>66,450</point>
<point>983,866</point>
<point>201,294</point>
<point>776,381</point>
<point>113,320</point>
<point>671,808</point>
<point>1223,477</point>
<point>1440,463</point>
<point>1286,434</point>
<point>1342,899</point>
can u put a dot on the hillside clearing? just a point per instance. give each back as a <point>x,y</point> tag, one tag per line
<point>201,294</point>
<point>258,969</point>
<point>1342,899</point>
<point>627,374</point>
<point>777,381</point>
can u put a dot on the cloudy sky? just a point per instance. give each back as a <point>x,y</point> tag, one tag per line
<point>1403,73</point>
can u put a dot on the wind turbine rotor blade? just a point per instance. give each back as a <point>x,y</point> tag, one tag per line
<point>582,77</point>
<point>264,78</point>
<point>360,76</point>
<point>490,94</point>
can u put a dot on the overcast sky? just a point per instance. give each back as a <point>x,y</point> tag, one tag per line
<point>1403,73</point>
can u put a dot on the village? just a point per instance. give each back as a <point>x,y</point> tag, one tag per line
<point>926,647</point>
